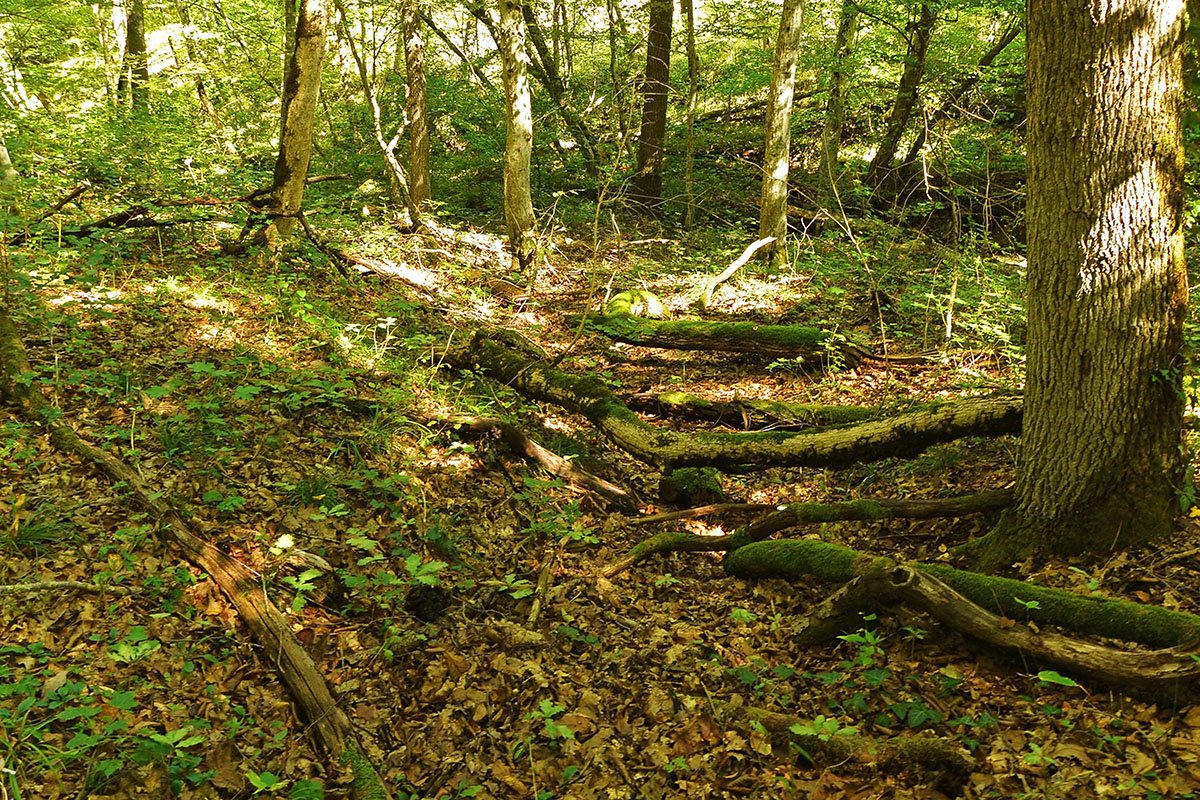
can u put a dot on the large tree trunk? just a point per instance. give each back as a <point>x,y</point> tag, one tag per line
<point>777,152</point>
<point>301,90</point>
<point>518,145</point>
<point>920,31</point>
<point>648,180</point>
<point>1101,458</point>
<point>835,110</point>
<point>417,105</point>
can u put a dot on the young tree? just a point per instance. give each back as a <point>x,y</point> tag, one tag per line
<point>919,34</point>
<point>417,105</point>
<point>1101,453</point>
<point>135,74</point>
<point>647,181</point>
<point>518,145</point>
<point>301,90</point>
<point>777,152</point>
<point>835,111</point>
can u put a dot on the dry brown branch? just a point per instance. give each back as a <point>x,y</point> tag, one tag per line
<point>54,586</point>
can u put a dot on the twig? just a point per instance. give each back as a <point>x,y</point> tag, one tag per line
<point>543,589</point>
<point>702,511</point>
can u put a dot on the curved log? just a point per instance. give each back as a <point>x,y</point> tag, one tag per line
<point>902,435</point>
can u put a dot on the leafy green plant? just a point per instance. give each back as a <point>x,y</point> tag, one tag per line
<point>823,728</point>
<point>547,712</point>
<point>514,587</point>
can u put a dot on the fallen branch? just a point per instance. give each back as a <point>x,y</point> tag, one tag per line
<point>1017,600</point>
<point>242,586</point>
<point>702,511</point>
<point>791,515</point>
<point>516,440</point>
<point>54,586</point>
<point>728,272</point>
<point>904,434</point>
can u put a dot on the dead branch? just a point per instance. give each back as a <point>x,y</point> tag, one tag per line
<point>702,511</point>
<point>54,586</point>
<point>242,586</point>
<point>711,286</point>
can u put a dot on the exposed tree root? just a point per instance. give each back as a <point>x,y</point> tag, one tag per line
<point>971,603</point>
<point>242,586</point>
<point>791,515</point>
<point>902,435</point>
<point>748,413</point>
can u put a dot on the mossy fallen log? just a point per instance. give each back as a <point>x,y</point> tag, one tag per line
<point>902,435</point>
<point>794,514</point>
<point>748,413</point>
<point>1088,615</point>
<point>813,347</point>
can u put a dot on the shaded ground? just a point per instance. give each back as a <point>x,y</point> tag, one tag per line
<point>292,416</point>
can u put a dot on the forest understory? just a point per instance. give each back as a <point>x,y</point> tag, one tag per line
<point>461,600</point>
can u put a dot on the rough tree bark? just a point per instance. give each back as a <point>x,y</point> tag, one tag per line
<point>835,111</point>
<point>919,33</point>
<point>136,71</point>
<point>518,145</point>
<point>1101,464</point>
<point>301,90</point>
<point>777,150</point>
<point>417,105</point>
<point>647,182</point>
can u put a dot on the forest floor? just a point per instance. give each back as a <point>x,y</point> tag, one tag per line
<point>451,592</point>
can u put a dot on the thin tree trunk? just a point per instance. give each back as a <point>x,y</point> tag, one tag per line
<point>689,176</point>
<point>648,180</point>
<point>301,91</point>
<point>137,66</point>
<point>417,104</point>
<point>399,190</point>
<point>518,146</point>
<point>195,62</point>
<point>835,111</point>
<point>920,31</point>
<point>777,151</point>
<point>467,61</point>
<point>1102,457</point>
<point>965,85</point>
<point>104,44</point>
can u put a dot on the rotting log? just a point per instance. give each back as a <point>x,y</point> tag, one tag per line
<point>1017,601</point>
<point>241,585</point>
<point>794,514</point>
<point>813,347</point>
<point>902,435</point>
<point>748,413</point>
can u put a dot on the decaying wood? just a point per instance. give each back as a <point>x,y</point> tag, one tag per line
<point>520,443</point>
<point>901,435</point>
<point>793,514</point>
<point>747,413</point>
<point>241,585</point>
<point>702,511</point>
<point>991,608</point>
<point>55,586</point>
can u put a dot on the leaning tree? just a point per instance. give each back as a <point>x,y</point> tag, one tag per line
<point>1102,454</point>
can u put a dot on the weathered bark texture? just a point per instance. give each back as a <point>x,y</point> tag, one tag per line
<point>979,605</point>
<point>904,434</point>
<point>777,150</point>
<point>518,144</point>
<point>835,110</point>
<point>301,90</point>
<point>688,9</point>
<point>1101,461</point>
<point>919,33</point>
<point>647,183</point>
<point>417,105</point>
<point>243,587</point>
